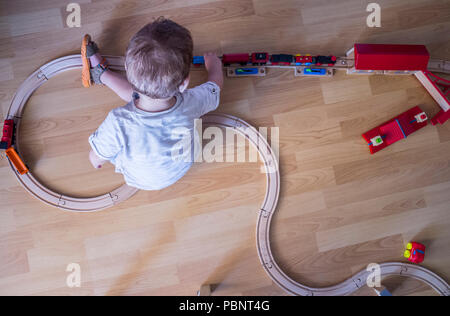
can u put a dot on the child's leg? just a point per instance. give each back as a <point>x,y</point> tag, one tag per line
<point>113,80</point>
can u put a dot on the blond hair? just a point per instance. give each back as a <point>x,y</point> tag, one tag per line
<point>158,58</point>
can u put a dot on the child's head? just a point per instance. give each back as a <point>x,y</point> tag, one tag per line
<point>158,59</point>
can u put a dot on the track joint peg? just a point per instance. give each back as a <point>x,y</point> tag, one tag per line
<point>268,264</point>
<point>403,270</point>
<point>41,75</point>
<point>61,201</point>
<point>264,213</point>
<point>114,197</point>
<point>359,283</point>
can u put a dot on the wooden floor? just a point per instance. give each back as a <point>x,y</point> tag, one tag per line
<point>340,208</point>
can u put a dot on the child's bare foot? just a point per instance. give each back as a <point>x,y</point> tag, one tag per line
<point>94,65</point>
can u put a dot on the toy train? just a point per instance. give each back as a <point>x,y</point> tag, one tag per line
<point>262,58</point>
<point>8,134</point>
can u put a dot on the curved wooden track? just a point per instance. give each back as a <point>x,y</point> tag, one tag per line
<point>266,212</point>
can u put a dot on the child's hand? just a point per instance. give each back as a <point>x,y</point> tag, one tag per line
<point>212,62</point>
<point>214,67</point>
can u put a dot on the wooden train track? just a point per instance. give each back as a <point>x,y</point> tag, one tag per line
<point>266,212</point>
<point>28,181</point>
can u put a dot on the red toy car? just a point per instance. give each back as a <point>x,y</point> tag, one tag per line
<point>415,252</point>
<point>229,59</point>
<point>8,131</point>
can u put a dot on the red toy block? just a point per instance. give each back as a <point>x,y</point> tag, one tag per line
<point>391,57</point>
<point>395,129</point>
<point>440,118</point>
<point>415,252</point>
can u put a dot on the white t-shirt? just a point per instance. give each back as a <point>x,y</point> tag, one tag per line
<point>148,148</point>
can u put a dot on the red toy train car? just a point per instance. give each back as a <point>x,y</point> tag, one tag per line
<point>8,134</point>
<point>241,59</point>
<point>303,60</point>
<point>315,60</point>
<point>260,58</point>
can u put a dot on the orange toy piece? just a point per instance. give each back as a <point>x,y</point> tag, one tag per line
<point>85,71</point>
<point>16,160</point>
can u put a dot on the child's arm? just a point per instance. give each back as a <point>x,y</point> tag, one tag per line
<point>96,161</point>
<point>106,141</point>
<point>214,67</point>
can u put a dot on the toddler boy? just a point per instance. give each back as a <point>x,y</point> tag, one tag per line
<point>140,138</point>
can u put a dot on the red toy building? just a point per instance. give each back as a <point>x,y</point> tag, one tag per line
<point>396,129</point>
<point>391,57</point>
<point>415,252</point>
<point>7,137</point>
